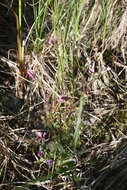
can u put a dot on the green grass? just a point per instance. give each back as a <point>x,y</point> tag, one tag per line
<point>78,125</point>
<point>71,94</point>
<point>40,10</point>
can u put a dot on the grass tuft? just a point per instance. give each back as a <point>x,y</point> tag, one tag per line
<point>63,94</point>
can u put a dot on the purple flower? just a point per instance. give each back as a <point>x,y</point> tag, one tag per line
<point>63,99</point>
<point>74,113</point>
<point>43,135</point>
<point>49,163</point>
<point>40,154</point>
<point>30,74</point>
<point>52,40</point>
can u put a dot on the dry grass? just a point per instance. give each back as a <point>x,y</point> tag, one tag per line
<point>78,62</point>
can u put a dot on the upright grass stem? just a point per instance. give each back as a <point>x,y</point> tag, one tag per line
<point>66,28</point>
<point>105,16</point>
<point>22,71</point>
<point>21,74</point>
<point>78,125</point>
<point>40,11</point>
<point>19,36</point>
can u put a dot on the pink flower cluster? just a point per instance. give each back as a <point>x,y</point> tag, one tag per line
<point>30,74</point>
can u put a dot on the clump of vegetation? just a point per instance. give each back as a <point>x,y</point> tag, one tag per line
<point>63,94</point>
